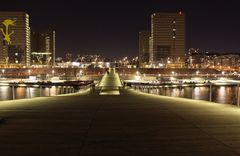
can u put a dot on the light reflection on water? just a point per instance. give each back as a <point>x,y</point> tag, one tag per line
<point>6,92</point>
<point>220,94</point>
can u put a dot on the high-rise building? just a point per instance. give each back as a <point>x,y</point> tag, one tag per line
<point>14,39</point>
<point>144,46</point>
<point>43,47</point>
<point>167,38</point>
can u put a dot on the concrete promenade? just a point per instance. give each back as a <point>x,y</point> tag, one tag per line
<point>131,124</point>
<point>110,83</point>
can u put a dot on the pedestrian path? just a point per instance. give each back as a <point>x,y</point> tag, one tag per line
<point>133,124</point>
<point>110,83</point>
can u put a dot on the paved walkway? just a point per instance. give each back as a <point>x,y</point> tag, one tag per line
<point>110,83</point>
<point>134,124</point>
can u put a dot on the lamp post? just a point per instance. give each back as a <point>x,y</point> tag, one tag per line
<point>197,72</point>
<point>53,71</point>
<point>29,72</point>
<point>3,71</point>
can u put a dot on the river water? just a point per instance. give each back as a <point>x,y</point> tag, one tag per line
<point>6,92</point>
<point>220,94</point>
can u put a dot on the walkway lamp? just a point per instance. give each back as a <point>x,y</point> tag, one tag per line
<point>29,72</point>
<point>53,71</point>
<point>197,72</point>
<point>3,71</point>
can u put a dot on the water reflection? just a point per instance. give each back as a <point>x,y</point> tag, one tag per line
<point>6,92</point>
<point>220,94</point>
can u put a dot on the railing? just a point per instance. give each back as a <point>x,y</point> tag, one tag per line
<point>139,86</point>
<point>64,89</point>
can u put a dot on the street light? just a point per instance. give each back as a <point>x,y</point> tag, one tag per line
<point>81,73</point>
<point>3,71</point>
<point>53,71</point>
<point>29,72</point>
<point>197,72</point>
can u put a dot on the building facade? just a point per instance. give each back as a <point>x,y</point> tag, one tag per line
<point>144,47</point>
<point>167,38</point>
<point>14,39</point>
<point>43,48</point>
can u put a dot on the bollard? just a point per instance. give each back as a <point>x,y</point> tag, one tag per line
<point>119,89</point>
<point>192,91</point>
<point>63,89</point>
<point>13,92</point>
<point>49,93</point>
<point>238,95</point>
<point>29,92</point>
<point>210,92</point>
<point>56,92</point>
<point>68,90</point>
<point>40,91</point>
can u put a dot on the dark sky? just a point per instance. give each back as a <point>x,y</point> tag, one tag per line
<point>111,27</point>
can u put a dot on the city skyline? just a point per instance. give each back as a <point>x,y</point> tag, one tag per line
<point>111,29</point>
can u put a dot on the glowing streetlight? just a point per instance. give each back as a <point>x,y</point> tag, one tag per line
<point>81,72</point>
<point>3,71</point>
<point>53,71</point>
<point>160,65</point>
<point>29,72</point>
<point>197,72</point>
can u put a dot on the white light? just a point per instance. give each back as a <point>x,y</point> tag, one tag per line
<point>107,64</point>
<point>137,78</point>
<point>223,72</point>
<point>160,65</point>
<point>81,72</point>
<point>75,64</point>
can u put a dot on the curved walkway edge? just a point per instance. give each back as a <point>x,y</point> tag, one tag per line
<point>132,124</point>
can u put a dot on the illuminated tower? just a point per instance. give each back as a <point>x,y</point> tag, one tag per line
<point>167,38</point>
<point>43,47</point>
<point>14,39</point>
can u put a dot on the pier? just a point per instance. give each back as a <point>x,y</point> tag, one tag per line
<point>132,124</point>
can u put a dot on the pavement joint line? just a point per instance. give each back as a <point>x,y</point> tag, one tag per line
<point>85,137</point>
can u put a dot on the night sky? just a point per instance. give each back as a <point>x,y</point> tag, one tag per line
<point>111,28</point>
